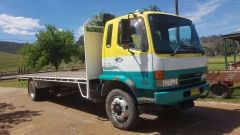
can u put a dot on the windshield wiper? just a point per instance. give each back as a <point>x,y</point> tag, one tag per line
<point>186,47</point>
<point>197,49</point>
<point>179,47</point>
<point>175,51</point>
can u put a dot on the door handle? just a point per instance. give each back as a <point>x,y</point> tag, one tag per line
<point>119,59</point>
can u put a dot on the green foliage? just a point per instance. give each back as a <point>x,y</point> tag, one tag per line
<point>152,8</point>
<point>79,53</point>
<point>51,48</point>
<point>215,45</point>
<point>80,41</point>
<point>31,55</point>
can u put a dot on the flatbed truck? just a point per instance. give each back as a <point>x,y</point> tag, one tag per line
<point>138,63</point>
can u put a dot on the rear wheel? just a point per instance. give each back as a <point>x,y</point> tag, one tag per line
<point>219,91</point>
<point>35,93</point>
<point>122,109</point>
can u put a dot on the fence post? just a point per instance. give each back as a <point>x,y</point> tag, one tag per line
<point>225,54</point>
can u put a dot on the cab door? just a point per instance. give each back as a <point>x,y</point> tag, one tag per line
<point>135,63</point>
<point>108,50</point>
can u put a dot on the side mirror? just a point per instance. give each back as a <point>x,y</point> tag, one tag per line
<point>125,33</point>
<point>107,17</point>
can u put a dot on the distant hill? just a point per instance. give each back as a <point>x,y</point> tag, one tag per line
<point>9,62</point>
<point>10,47</point>
<point>215,45</point>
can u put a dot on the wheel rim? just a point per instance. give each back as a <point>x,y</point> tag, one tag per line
<point>218,90</point>
<point>31,91</point>
<point>120,109</point>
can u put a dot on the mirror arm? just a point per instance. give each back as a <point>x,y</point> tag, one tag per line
<point>131,52</point>
<point>134,15</point>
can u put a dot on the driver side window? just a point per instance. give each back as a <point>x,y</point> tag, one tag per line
<point>138,36</point>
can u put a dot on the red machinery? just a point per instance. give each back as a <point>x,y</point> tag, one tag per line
<point>222,83</point>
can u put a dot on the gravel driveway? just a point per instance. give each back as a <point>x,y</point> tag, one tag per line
<point>73,116</point>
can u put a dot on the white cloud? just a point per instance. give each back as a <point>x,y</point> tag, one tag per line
<point>60,30</point>
<point>237,30</point>
<point>18,25</point>
<point>204,9</point>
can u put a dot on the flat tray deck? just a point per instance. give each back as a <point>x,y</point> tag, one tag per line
<point>61,76</point>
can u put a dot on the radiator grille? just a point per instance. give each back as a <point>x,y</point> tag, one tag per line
<point>190,78</point>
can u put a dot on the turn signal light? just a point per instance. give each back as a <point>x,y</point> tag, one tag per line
<point>158,75</point>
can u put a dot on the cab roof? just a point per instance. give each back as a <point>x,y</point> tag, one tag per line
<point>146,13</point>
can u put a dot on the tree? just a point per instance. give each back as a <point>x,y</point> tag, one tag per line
<point>79,53</point>
<point>80,41</point>
<point>51,48</point>
<point>215,45</point>
<point>152,8</point>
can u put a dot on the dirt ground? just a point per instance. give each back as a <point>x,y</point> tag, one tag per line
<point>73,116</point>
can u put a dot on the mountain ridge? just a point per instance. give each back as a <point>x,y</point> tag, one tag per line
<point>10,47</point>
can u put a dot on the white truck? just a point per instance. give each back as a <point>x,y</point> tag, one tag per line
<point>139,63</point>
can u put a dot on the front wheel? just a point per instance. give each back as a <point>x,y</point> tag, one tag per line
<point>122,109</point>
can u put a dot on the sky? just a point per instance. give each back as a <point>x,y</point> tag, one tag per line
<point>21,19</point>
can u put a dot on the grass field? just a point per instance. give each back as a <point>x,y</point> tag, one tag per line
<point>13,84</point>
<point>9,62</point>
<point>217,62</point>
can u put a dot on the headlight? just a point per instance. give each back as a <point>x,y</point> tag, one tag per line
<point>170,82</point>
<point>204,76</point>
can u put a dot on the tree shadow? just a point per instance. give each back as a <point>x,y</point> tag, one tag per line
<point>78,103</point>
<point>9,118</point>
<point>197,121</point>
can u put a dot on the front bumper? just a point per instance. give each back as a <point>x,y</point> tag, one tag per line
<point>174,97</point>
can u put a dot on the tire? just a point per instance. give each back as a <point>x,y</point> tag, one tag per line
<point>219,91</point>
<point>121,118</point>
<point>36,94</point>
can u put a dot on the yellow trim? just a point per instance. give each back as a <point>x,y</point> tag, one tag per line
<point>163,13</point>
<point>115,50</point>
<point>127,53</point>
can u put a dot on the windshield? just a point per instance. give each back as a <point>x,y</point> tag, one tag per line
<point>173,34</point>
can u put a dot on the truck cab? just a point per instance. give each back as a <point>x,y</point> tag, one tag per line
<point>159,56</point>
<point>156,57</point>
